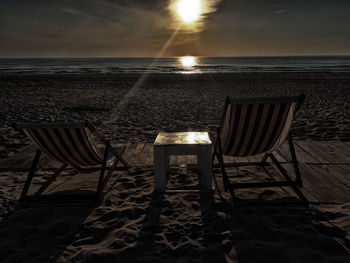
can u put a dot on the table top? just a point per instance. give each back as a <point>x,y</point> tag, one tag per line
<point>182,138</point>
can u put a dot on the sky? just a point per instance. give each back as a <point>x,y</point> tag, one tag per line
<point>150,28</point>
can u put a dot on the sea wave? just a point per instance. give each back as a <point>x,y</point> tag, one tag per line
<point>173,65</point>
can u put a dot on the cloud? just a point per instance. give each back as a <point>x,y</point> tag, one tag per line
<point>115,28</point>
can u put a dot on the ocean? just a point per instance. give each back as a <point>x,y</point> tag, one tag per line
<point>181,65</point>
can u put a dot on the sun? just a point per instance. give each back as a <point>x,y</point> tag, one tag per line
<point>189,10</point>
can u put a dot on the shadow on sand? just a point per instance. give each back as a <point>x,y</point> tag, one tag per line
<point>187,240</point>
<point>282,234</point>
<point>170,228</point>
<point>39,234</point>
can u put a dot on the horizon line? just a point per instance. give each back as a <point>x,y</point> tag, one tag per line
<point>165,57</point>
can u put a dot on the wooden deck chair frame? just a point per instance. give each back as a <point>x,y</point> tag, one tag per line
<point>295,184</point>
<point>103,179</point>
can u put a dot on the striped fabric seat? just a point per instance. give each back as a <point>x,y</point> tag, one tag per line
<point>255,127</point>
<point>69,145</point>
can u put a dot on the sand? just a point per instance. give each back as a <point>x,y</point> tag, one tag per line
<point>167,102</point>
<point>132,224</point>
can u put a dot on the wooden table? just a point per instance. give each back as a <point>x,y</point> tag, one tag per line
<point>182,143</point>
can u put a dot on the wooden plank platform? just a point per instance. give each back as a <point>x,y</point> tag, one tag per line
<point>325,165</point>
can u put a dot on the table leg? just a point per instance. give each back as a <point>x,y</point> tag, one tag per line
<point>167,165</point>
<point>205,168</point>
<point>161,163</point>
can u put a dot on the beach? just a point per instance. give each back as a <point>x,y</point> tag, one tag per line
<point>167,102</point>
<point>175,131</point>
<point>133,224</point>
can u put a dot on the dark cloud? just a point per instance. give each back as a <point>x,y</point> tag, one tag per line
<point>270,27</point>
<point>91,28</point>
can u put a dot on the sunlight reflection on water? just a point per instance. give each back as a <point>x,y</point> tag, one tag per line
<point>188,64</point>
<point>188,61</point>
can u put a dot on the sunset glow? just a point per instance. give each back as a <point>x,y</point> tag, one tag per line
<point>189,10</point>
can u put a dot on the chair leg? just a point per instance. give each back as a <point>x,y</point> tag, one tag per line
<point>102,173</point>
<point>264,159</point>
<point>225,179</point>
<point>50,180</point>
<point>107,177</point>
<point>224,174</point>
<point>292,183</point>
<point>30,176</point>
<point>214,153</point>
<point>295,160</point>
<point>109,173</point>
<point>219,155</point>
<point>118,156</point>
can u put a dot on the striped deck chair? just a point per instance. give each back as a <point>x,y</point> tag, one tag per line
<point>253,126</point>
<point>71,144</point>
